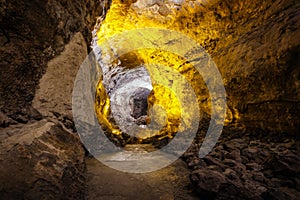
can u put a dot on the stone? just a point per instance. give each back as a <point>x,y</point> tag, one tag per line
<point>208,182</point>
<point>234,144</point>
<point>56,85</point>
<point>46,160</point>
<point>5,121</point>
<point>139,102</point>
<point>231,174</point>
<point>34,114</point>
<point>142,120</point>
<point>253,166</point>
<point>255,154</point>
<point>258,176</point>
<point>46,27</point>
<point>212,161</point>
<point>215,168</point>
<point>281,193</point>
<point>234,155</point>
<point>239,168</point>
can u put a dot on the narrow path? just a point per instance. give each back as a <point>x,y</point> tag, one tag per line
<point>169,183</point>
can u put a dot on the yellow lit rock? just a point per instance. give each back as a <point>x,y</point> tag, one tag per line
<point>133,15</point>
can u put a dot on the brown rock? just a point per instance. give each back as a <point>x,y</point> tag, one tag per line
<point>281,194</point>
<point>208,182</point>
<point>5,121</point>
<point>43,161</point>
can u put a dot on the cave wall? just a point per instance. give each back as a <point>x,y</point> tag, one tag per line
<point>33,32</point>
<point>255,45</point>
<point>259,61</point>
<point>43,43</point>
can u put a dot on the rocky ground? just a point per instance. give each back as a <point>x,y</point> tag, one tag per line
<point>247,165</point>
<point>41,160</point>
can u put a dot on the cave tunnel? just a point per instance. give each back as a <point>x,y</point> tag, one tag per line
<point>212,85</point>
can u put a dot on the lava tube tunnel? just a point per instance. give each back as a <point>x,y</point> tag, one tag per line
<point>150,85</point>
<point>150,99</point>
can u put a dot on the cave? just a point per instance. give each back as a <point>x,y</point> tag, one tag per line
<point>91,90</point>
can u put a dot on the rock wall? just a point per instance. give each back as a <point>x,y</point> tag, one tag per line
<point>254,44</point>
<point>258,55</point>
<point>33,32</point>
<point>41,156</point>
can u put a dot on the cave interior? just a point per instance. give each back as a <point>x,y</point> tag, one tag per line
<point>146,91</point>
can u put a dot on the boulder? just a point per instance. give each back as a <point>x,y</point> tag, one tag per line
<point>42,161</point>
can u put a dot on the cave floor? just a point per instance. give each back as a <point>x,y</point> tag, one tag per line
<point>171,182</point>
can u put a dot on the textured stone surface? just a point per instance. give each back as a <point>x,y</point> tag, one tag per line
<point>254,44</point>
<point>54,95</point>
<point>139,102</point>
<point>41,161</point>
<point>52,154</point>
<point>247,168</point>
<point>40,155</point>
<point>32,32</point>
<point>259,60</point>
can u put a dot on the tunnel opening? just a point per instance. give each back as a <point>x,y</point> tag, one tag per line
<point>164,112</point>
<point>153,90</point>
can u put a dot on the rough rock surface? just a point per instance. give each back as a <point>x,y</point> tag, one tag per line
<point>139,102</point>
<point>256,46</point>
<point>259,60</point>
<point>41,161</point>
<point>53,96</point>
<point>241,167</point>
<point>40,156</point>
<point>46,157</point>
<point>33,32</point>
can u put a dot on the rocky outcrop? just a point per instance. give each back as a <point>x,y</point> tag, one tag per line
<point>33,32</point>
<point>41,157</point>
<point>41,161</point>
<point>54,95</point>
<point>245,168</point>
<point>49,149</point>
